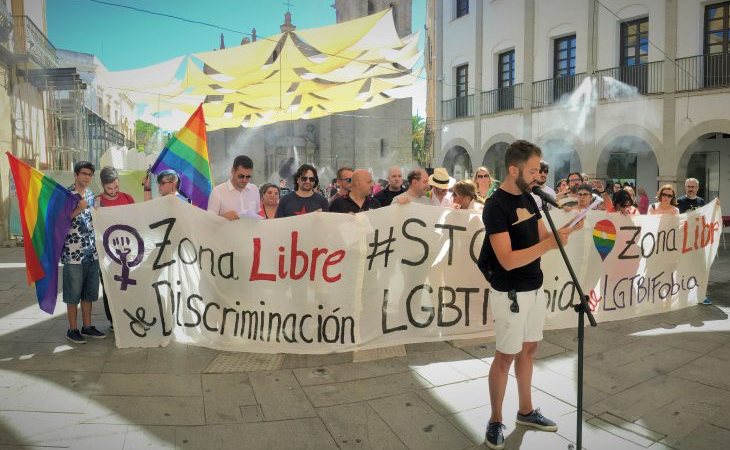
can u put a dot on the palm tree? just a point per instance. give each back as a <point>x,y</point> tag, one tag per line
<point>420,138</point>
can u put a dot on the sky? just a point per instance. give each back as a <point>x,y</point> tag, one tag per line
<point>125,39</point>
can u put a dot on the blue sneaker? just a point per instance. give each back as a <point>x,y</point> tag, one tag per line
<point>92,332</point>
<point>495,436</point>
<point>536,420</point>
<point>707,301</point>
<point>75,337</point>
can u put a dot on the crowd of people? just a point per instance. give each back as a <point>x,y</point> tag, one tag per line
<point>352,191</point>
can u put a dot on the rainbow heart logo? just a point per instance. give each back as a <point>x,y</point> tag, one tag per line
<point>604,237</point>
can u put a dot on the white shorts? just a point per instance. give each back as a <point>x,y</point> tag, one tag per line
<point>513,329</point>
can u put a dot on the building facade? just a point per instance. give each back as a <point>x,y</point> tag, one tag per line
<point>374,138</point>
<point>618,89</point>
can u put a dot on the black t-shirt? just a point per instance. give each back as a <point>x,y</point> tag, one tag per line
<point>386,196</point>
<point>518,215</point>
<point>347,205</point>
<point>293,205</point>
<point>686,204</point>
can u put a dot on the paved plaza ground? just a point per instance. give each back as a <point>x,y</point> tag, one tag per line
<point>656,382</point>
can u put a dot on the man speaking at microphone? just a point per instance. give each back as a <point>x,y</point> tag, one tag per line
<point>515,239</point>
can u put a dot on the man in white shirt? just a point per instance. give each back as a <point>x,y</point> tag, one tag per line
<point>237,197</point>
<point>417,188</point>
<point>441,184</point>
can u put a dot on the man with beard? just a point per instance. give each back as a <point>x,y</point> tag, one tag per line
<point>515,239</point>
<point>690,201</point>
<point>303,199</point>
<point>417,188</point>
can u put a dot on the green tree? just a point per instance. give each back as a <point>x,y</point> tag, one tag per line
<point>420,140</point>
<point>144,132</point>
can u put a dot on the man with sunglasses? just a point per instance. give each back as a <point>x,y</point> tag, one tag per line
<point>516,238</point>
<point>343,183</point>
<point>237,197</point>
<point>542,182</point>
<point>304,199</point>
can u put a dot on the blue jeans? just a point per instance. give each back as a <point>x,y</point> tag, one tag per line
<point>80,282</point>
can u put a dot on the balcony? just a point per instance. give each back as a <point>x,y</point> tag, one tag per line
<point>458,107</point>
<point>502,99</point>
<point>30,42</point>
<point>6,22</point>
<point>703,72</point>
<point>552,90</point>
<point>646,78</point>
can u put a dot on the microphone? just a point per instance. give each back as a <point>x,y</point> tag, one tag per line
<point>544,196</point>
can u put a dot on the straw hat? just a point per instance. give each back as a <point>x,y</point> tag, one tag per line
<point>441,179</point>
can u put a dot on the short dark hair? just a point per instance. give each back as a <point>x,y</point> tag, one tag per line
<point>414,174</point>
<point>266,186</point>
<point>575,173</point>
<point>83,165</point>
<point>300,173</point>
<point>620,197</point>
<point>107,175</point>
<point>520,151</point>
<point>342,169</point>
<point>168,173</point>
<point>544,165</point>
<point>242,161</point>
<point>585,187</point>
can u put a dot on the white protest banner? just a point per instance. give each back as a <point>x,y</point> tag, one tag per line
<point>323,282</point>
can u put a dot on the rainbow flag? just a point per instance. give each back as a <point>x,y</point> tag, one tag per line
<point>187,154</point>
<point>45,215</point>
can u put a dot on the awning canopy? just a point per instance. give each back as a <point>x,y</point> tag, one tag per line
<point>305,74</point>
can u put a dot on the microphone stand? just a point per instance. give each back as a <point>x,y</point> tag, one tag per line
<point>583,310</point>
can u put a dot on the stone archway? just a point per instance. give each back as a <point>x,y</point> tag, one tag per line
<point>458,162</point>
<point>562,156</point>
<point>631,159</point>
<point>494,160</point>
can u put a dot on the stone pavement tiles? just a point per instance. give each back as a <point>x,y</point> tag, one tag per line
<point>656,382</point>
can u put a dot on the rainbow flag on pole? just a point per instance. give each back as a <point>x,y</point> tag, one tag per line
<point>187,154</point>
<point>45,214</point>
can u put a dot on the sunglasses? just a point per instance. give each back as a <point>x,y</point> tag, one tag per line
<point>482,176</point>
<point>349,180</point>
<point>544,171</point>
<point>244,177</point>
<point>664,194</point>
<point>514,307</point>
<point>311,179</point>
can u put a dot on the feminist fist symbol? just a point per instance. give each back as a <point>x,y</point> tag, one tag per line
<point>121,247</point>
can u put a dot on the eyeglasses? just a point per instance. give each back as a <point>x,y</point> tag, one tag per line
<point>571,180</point>
<point>664,194</point>
<point>244,177</point>
<point>310,179</point>
<point>482,176</point>
<point>514,306</point>
<point>583,194</point>
<point>349,180</point>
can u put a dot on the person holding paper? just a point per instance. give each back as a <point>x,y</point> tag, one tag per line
<point>515,239</point>
<point>237,197</point>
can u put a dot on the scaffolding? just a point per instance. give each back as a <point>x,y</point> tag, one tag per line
<point>66,120</point>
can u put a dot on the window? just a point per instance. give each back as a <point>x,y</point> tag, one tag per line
<point>371,8</point>
<point>462,91</point>
<point>635,42</point>
<point>462,80</point>
<point>462,8</point>
<point>717,28</point>
<point>716,48</point>
<point>563,66</point>
<point>506,80</point>
<point>564,60</point>
<point>635,53</point>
